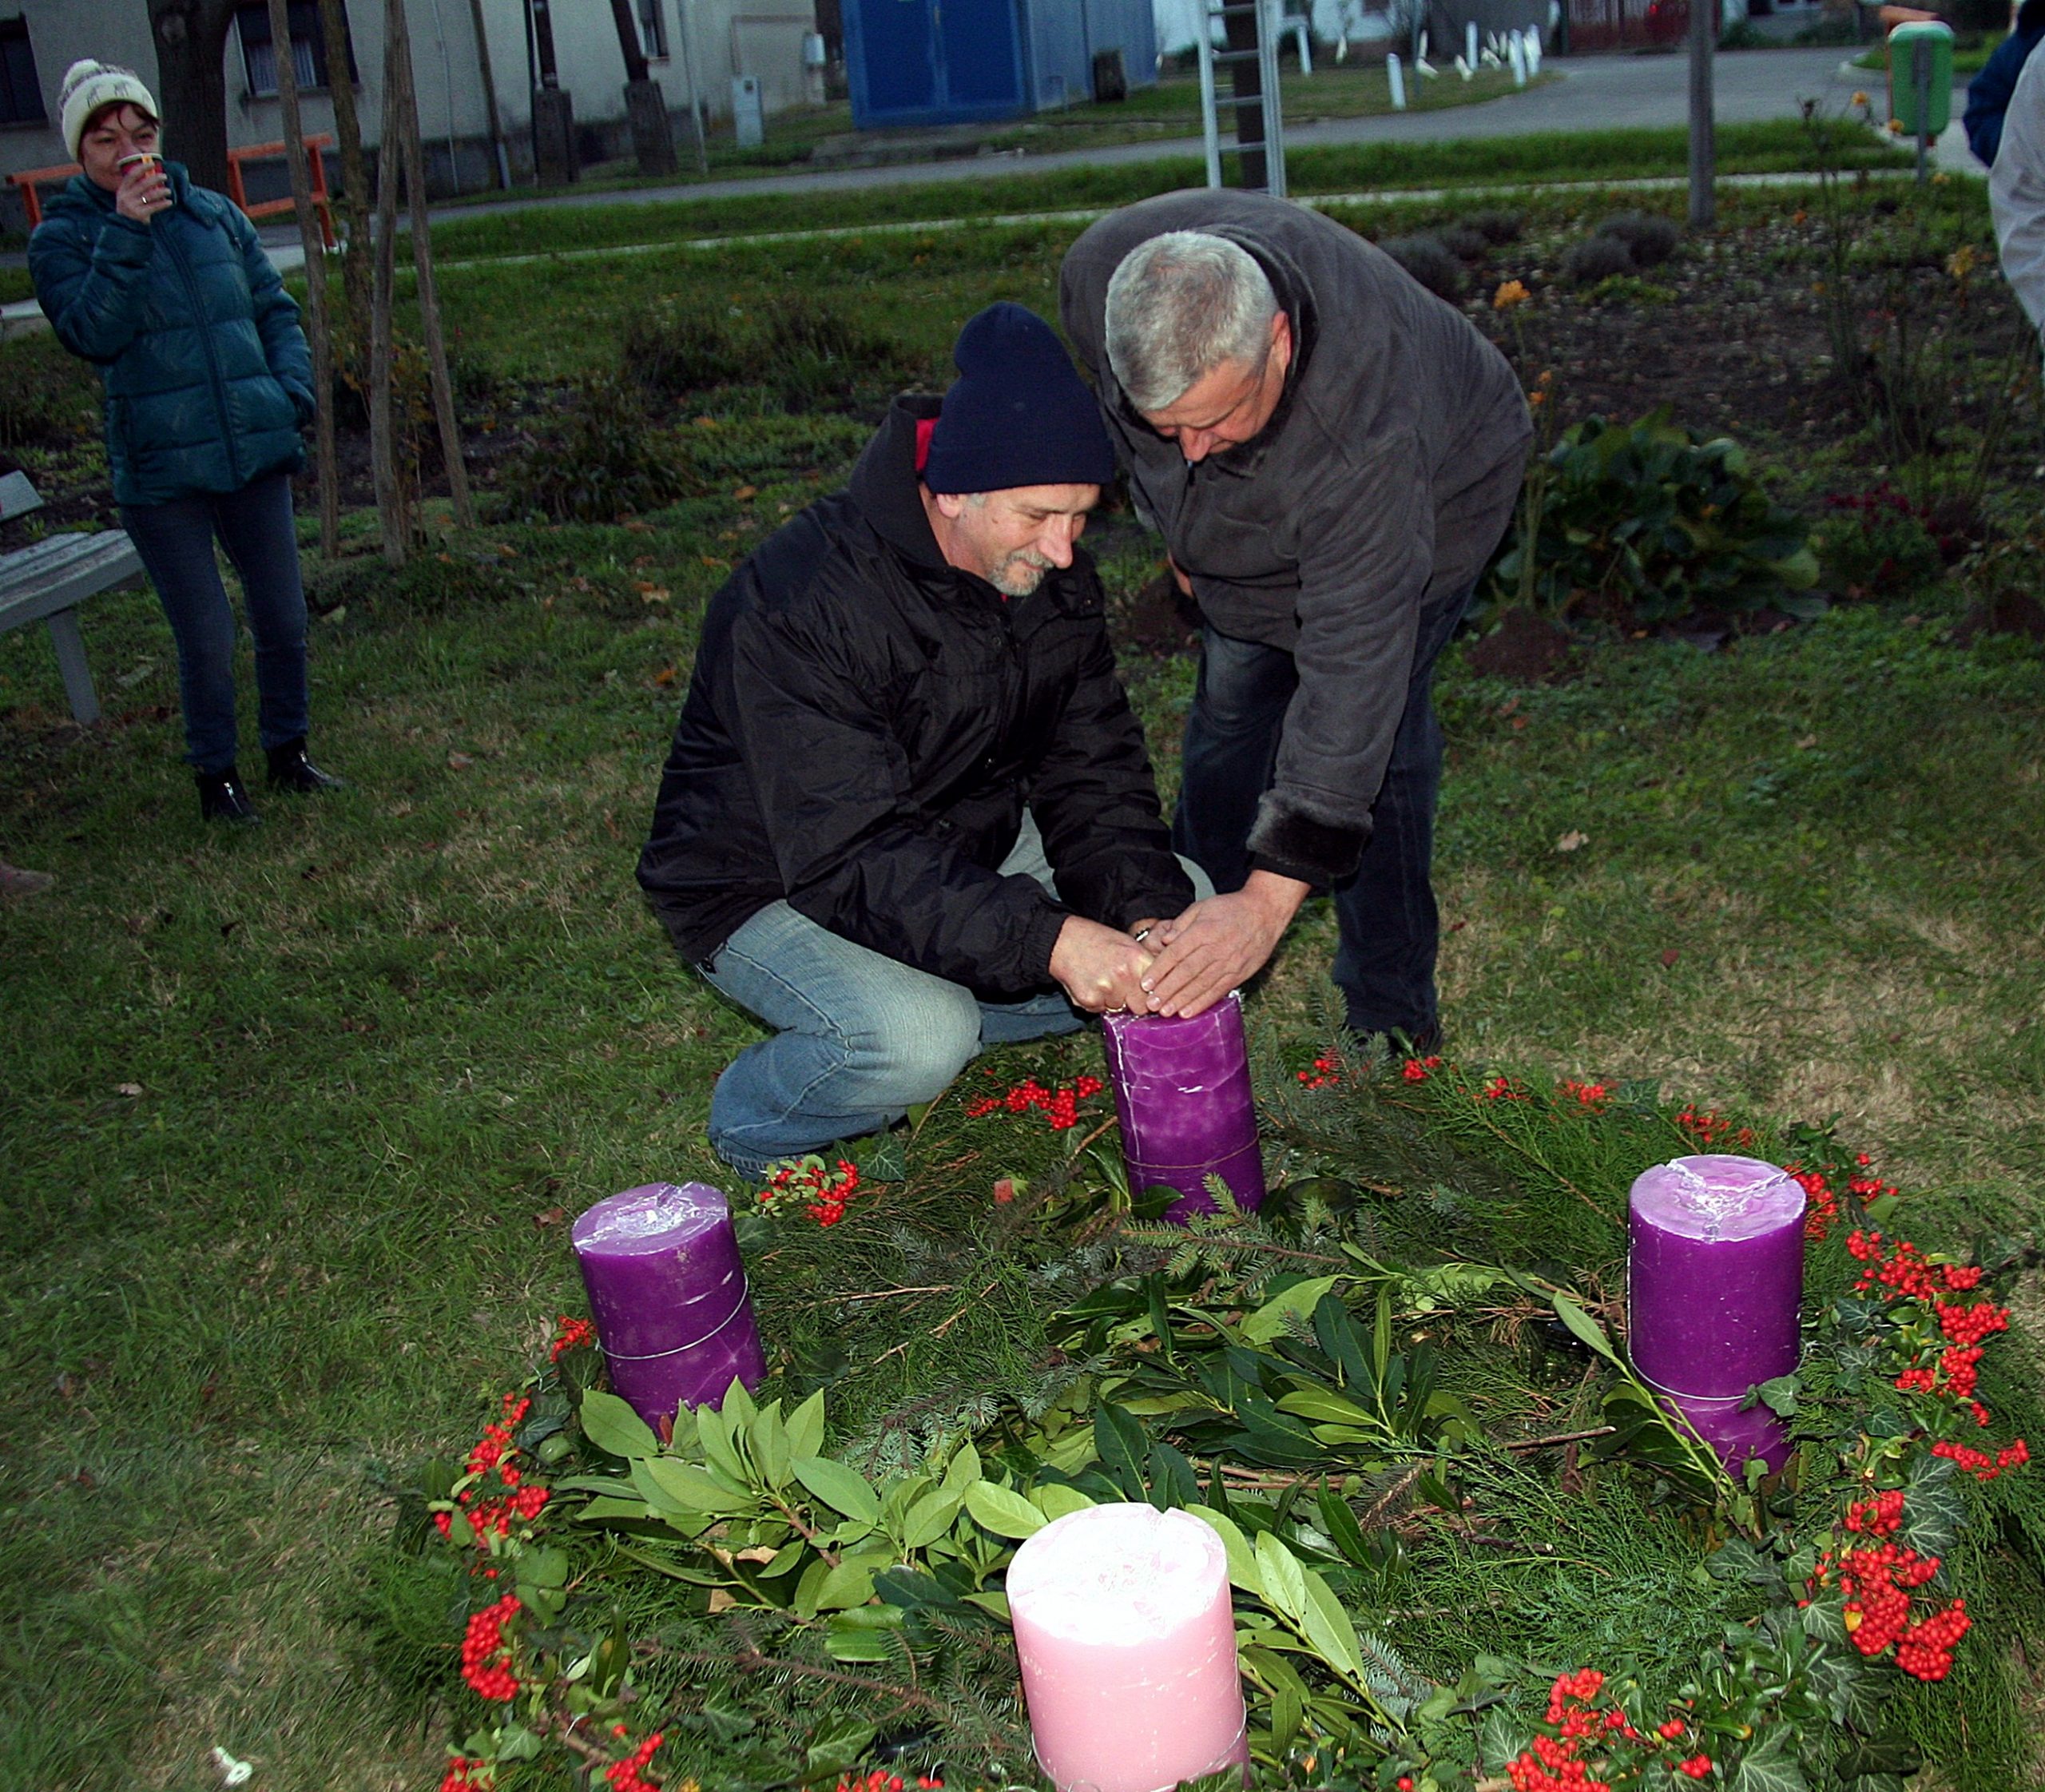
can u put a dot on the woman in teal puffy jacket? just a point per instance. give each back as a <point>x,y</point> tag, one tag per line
<point>164,287</point>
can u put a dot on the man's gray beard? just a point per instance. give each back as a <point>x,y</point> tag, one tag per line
<point>1019,575</point>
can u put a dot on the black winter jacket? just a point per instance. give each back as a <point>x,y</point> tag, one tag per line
<point>1369,503</point>
<point>866,725</point>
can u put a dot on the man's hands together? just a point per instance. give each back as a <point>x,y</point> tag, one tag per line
<point>1219,944</point>
<point>1101,969</point>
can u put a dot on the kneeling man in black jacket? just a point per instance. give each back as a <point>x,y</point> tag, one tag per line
<point>908,811</point>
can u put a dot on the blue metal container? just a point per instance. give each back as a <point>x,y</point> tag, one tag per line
<point>912,62</point>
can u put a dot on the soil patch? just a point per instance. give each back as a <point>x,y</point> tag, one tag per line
<point>2008,613</point>
<point>1524,648</point>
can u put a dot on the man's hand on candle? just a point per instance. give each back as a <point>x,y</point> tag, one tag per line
<point>1101,969</point>
<point>1219,944</point>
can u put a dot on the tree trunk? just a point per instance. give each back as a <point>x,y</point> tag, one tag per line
<point>355,167</point>
<point>314,239</point>
<point>490,96</point>
<point>392,519</point>
<point>401,121</point>
<point>645,106</point>
<point>191,41</point>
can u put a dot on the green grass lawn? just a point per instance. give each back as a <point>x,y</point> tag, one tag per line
<point>293,1118</point>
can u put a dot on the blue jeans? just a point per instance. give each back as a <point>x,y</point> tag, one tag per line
<point>176,543</point>
<point>1389,927</point>
<point>860,1038</point>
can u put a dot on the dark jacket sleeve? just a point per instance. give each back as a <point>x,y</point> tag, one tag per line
<point>1367,551</point>
<point>854,855</point>
<point>91,292</point>
<point>276,318</point>
<point>1095,802</point>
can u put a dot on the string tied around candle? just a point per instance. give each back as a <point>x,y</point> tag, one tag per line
<point>738,1307</point>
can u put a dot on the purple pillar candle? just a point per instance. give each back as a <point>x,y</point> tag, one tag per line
<point>1182,1094</point>
<point>1715,1281</point>
<point>669,1292</point>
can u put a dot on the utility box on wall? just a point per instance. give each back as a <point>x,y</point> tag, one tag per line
<point>912,62</point>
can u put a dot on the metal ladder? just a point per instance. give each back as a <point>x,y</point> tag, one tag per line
<point>1266,55</point>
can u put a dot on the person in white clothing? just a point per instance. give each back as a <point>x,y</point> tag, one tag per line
<point>2016,192</point>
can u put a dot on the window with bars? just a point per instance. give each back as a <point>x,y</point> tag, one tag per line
<point>652,30</point>
<point>308,47</point>
<point>20,92</point>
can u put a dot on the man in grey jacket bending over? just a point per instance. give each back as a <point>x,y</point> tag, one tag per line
<point>1331,453</point>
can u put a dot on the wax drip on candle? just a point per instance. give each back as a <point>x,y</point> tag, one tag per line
<point>1718,1202</point>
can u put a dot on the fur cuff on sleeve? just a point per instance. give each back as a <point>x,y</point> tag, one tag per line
<point>1315,850</point>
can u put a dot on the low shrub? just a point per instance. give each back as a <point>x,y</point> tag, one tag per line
<point>1651,517</point>
<point>1595,258</point>
<point>1429,262</point>
<point>672,348</point>
<point>1650,240</point>
<point>1497,226</point>
<point>1874,544</point>
<point>46,397</point>
<point>610,461</point>
<point>1464,241</point>
<point>816,356</point>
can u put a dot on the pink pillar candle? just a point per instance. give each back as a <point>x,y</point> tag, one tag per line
<point>1182,1094</point>
<point>668,1293</point>
<point>1128,1647</point>
<point>1715,1286</point>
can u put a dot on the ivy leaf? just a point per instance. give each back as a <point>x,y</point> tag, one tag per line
<point>1583,1327</point>
<point>837,1746</point>
<point>1779,1395</point>
<point>1769,1765</point>
<point>1932,1507</point>
<point>843,1490</point>
<point>1002,1511</point>
<point>610,1423</point>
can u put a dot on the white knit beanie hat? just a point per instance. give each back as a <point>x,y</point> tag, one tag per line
<point>88,85</point>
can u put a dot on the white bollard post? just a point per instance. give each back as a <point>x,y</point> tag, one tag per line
<point>1516,54</point>
<point>1463,69</point>
<point>1470,43</point>
<point>1533,49</point>
<point>1398,80</point>
<point>1306,52</point>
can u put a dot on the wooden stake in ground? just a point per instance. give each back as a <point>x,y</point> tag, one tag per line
<point>1704,148</point>
<point>392,516</point>
<point>401,114</point>
<point>354,166</point>
<point>314,239</point>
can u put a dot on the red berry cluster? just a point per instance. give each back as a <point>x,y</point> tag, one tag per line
<point>1594,1097</point>
<point>1556,1762</point>
<point>1060,1106</point>
<point>1418,1069</point>
<point>1978,1464</point>
<point>1503,1089</point>
<point>1713,1130</point>
<point>521,1500</point>
<point>1330,1070</point>
<point>880,1780</point>
<point>465,1775</point>
<point>486,1656</point>
<point>1878,1582</point>
<point>628,1773</point>
<point>570,1334</point>
<point>824,1193</point>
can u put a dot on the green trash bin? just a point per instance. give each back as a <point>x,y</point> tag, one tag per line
<point>1907,43</point>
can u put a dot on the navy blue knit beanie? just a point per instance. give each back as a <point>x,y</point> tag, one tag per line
<point>1018,413</point>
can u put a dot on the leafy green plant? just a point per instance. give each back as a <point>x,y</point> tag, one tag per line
<point>609,461</point>
<point>1649,515</point>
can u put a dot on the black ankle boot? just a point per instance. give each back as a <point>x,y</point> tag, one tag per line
<point>221,798</point>
<point>291,770</point>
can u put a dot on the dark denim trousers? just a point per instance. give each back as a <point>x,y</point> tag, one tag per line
<point>176,543</point>
<point>1390,928</point>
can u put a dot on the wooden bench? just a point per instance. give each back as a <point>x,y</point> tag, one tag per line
<point>47,580</point>
<point>28,182</point>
